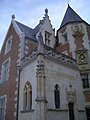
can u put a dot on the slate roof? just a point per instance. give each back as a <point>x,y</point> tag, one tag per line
<point>70,17</point>
<point>37,28</point>
<point>29,32</point>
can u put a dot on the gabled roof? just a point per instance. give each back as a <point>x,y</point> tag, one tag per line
<point>70,17</point>
<point>37,28</point>
<point>29,32</point>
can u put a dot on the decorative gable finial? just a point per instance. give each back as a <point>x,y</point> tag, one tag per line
<point>13,17</point>
<point>46,11</point>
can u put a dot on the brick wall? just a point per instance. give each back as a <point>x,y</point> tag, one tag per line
<point>30,45</point>
<point>64,47</point>
<point>79,41</point>
<point>9,87</point>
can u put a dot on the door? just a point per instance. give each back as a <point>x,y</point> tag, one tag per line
<point>71,111</point>
<point>88,113</point>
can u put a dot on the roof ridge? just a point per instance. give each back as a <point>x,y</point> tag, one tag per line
<point>23,24</point>
<point>75,12</point>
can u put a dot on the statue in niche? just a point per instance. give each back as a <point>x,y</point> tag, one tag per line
<point>57,96</point>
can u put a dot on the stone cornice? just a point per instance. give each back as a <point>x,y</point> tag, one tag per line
<point>59,56</point>
<point>52,54</point>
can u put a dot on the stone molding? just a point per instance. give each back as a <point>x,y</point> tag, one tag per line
<point>71,96</point>
<point>57,110</point>
<point>50,53</point>
<point>77,30</point>
<point>59,56</point>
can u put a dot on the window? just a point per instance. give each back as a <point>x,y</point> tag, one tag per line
<point>47,38</point>
<point>5,71</point>
<point>2,108</point>
<point>8,45</point>
<point>57,96</point>
<point>88,113</point>
<point>27,96</point>
<point>65,37</point>
<point>85,80</point>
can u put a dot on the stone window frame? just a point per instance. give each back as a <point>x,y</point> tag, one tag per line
<point>8,44</point>
<point>27,97</point>
<point>85,80</point>
<point>3,79</point>
<point>65,38</point>
<point>47,38</point>
<point>3,107</point>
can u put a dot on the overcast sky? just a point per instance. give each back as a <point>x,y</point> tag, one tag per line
<point>30,12</point>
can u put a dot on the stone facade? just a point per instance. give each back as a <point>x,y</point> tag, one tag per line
<point>44,71</point>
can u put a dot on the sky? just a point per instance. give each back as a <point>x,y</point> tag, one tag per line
<point>30,12</point>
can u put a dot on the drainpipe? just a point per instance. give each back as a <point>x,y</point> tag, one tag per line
<point>19,70</point>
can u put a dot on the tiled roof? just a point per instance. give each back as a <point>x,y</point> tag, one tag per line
<point>70,17</point>
<point>29,32</point>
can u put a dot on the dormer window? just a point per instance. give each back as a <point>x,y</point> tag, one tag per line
<point>8,45</point>
<point>47,38</point>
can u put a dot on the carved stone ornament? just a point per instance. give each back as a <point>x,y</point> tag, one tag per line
<point>71,96</point>
<point>77,30</point>
<point>40,38</point>
<point>59,56</point>
<point>83,67</point>
<point>82,58</point>
<point>29,56</point>
<point>40,43</point>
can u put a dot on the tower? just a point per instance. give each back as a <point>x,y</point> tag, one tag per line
<point>73,40</point>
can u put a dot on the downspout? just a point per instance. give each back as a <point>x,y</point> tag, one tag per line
<point>19,71</point>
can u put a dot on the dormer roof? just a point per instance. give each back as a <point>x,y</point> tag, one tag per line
<point>70,17</point>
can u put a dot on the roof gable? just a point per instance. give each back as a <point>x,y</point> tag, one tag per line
<point>70,17</point>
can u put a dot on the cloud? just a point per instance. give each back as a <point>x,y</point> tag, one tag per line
<point>29,12</point>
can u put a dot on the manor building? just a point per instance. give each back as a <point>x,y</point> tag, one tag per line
<point>43,76</point>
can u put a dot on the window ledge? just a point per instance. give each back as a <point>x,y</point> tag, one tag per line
<point>26,111</point>
<point>85,90</point>
<point>7,51</point>
<point>2,83</point>
<point>79,110</point>
<point>58,109</point>
<point>64,42</point>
